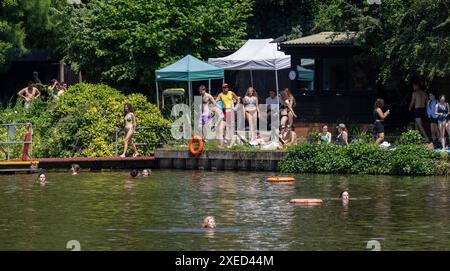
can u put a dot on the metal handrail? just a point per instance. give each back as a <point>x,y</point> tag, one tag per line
<point>8,142</point>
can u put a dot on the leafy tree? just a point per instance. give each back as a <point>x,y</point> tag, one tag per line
<point>119,41</point>
<point>28,24</point>
<point>406,37</point>
<point>275,18</point>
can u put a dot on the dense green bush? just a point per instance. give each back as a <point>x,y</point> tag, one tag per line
<point>413,160</point>
<point>366,158</point>
<point>82,122</point>
<point>410,137</point>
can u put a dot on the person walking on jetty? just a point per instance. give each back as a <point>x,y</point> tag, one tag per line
<point>130,128</point>
<point>379,117</point>
<point>442,111</point>
<point>28,94</point>
<point>418,103</point>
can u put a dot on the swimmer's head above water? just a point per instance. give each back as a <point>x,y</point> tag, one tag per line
<point>134,173</point>
<point>344,195</point>
<point>146,172</point>
<point>209,223</point>
<point>41,178</point>
<point>75,168</point>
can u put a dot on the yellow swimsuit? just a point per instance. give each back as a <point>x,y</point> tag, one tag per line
<point>227,101</point>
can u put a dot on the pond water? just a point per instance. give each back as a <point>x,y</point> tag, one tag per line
<point>111,211</point>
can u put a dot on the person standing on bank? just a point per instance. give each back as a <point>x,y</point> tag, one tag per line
<point>28,94</point>
<point>431,106</point>
<point>251,106</point>
<point>342,137</point>
<point>441,111</point>
<point>227,98</point>
<point>418,102</point>
<point>130,128</point>
<point>379,117</point>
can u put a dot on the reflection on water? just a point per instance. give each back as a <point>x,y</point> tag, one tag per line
<point>112,211</point>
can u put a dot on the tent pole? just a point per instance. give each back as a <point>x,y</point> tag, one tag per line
<point>251,77</point>
<point>276,80</point>
<point>190,94</point>
<point>209,86</point>
<point>157,94</point>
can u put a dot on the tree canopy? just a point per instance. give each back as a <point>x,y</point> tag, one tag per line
<point>28,24</point>
<point>125,40</point>
<point>407,37</point>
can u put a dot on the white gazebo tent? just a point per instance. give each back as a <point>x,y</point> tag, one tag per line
<point>255,54</point>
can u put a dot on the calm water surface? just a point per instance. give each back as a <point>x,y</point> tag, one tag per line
<point>111,211</point>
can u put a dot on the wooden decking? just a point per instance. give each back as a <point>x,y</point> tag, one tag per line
<point>97,163</point>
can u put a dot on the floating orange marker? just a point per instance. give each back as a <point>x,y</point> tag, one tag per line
<point>306,201</point>
<point>280,179</point>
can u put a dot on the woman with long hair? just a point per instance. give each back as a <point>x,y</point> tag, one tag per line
<point>379,117</point>
<point>287,105</point>
<point>441,110</point>
<point>130,128</point>
<point>342,137</point>
<point>251,106</point>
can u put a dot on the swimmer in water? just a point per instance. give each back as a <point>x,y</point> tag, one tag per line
<point>146,172</point>
<point>344,196</point>
<point>42,179</point>
<point>75,168</point>
<point>209,223</point>
<point>134,173</point>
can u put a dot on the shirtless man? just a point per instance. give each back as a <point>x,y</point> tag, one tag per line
<point>207,99</point>
<point>29,93</point>
<point>419,102</point>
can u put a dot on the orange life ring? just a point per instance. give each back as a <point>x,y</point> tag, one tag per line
<point>280,179</point>
<point>306,201</point>
<point>200,145</point>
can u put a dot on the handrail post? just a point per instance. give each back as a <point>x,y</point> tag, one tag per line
<point>31,141</point>
<point>7,144</point>
<point>116,147</point>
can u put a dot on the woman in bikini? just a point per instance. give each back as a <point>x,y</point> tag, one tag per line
<point>287,106</point>
<point>251,106</point>
<point>441,110</point>
<point>130,128</point>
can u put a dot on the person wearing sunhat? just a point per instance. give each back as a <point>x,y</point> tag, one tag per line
<point>228,98</point>
<point>342,138</point>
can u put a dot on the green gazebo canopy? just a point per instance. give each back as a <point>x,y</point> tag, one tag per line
<point>189,69</point>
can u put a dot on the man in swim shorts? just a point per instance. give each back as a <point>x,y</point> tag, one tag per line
<point>419,102</point>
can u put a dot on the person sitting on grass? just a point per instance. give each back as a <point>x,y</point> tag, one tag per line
<point>288,137</point>
<point>325,136</point>
<point>342,138</point>
<point>75,168</point>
